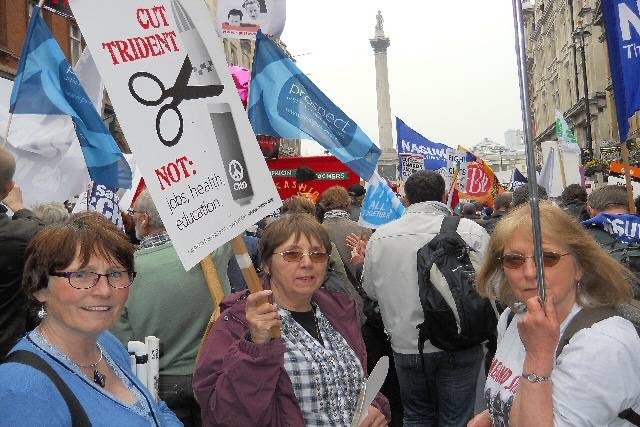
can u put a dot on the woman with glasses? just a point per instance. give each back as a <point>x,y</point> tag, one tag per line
<point>532,381</point>
<point>70,370</point>
<point>314,373</point>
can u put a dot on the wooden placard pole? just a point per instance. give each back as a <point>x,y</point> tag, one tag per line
<point>248,272</point>
<point>212,279</point>
<point>562,174</point>
<point>627,177</point>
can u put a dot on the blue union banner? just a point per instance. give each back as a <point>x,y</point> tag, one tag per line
<point>622,26</point>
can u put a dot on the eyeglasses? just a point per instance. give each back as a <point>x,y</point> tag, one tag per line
<point>132,211</point>
<point>513,261</point>
<point>88,279</point>
<point>296,256</point>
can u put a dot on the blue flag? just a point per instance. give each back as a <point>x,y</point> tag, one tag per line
<point>46,85</point>
<point>624,227</point>
<point>381,205</point>
<point>622,27</point>
<point>518,179</point>
<point>412,144</point>
<point>283,102</point>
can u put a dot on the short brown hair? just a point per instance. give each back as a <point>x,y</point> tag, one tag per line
<point>298,204</point>
<point>282,229</point>
<point>604,280</point>
<point>84,234</point>
<point>607,197</point>
<point>335,197</point>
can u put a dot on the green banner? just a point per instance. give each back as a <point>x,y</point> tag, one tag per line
<point>325,176</point>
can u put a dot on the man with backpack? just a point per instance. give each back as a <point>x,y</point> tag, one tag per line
<point>612,226</point>
<point>438,388</point>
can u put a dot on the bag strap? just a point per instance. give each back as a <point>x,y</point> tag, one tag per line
<point>79,417</point>
<point>450,223</point>
<point>584,319</point>
<point>631,416</point>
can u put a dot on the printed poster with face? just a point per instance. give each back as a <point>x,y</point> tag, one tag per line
<point>167,78</point>
<point>241,19</point>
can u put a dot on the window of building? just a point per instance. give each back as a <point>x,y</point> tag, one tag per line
<point>75,39</point>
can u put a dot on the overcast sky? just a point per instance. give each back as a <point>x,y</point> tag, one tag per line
<point>452,64</point>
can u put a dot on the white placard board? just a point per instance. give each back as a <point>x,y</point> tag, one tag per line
<point>617,180</point>
<point>166,74</point>
<point>571,160</point>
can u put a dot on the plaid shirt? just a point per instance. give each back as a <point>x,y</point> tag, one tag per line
<point>326,380</point>
<point>154,240</point>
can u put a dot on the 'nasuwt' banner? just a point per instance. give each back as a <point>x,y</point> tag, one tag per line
<point>624,227</point>
<point>241,19</point>
<point>622,29</point>
<point>165,72</point>
<point>417,152</point>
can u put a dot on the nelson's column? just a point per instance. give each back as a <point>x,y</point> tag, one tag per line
<point>388,163</point>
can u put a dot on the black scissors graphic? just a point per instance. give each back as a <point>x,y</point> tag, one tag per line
<point>179,92</point>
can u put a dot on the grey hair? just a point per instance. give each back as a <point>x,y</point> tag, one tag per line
<point>145,204</point>
<point>51,213</point>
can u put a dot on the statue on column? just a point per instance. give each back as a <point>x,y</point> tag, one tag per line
<point>380,21</point>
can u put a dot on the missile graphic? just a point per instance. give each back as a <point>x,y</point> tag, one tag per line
<point>202,65</point>
<point>220,113</point>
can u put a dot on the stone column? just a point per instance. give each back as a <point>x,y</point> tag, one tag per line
<point>388,163</point>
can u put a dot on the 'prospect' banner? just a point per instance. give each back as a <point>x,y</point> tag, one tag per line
<point>167,77</point>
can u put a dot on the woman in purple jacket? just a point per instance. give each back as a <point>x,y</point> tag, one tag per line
<point>313,375</point>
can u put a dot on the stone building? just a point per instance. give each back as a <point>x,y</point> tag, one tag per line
<point>555,32</point>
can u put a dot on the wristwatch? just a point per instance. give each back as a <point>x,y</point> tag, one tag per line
<point>533,378</point>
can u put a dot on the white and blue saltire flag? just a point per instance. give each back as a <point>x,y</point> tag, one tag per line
<point>381,205</point>
<point>622,28</point>
<point>46,85</point>
<point>624,227</point>
<point>283,102</point>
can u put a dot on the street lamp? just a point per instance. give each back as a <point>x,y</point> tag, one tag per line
<point>578,39</point>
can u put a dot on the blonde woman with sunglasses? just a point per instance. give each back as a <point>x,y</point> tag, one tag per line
<point>314,373</point>
<point>596,376</point>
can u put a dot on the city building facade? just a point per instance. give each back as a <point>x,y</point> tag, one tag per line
<point>502,159</point>
<point>566,60</point>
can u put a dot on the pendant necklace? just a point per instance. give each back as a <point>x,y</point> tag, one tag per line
<point>98,377</point>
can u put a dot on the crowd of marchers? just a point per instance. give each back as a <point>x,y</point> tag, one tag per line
<point>451,297</point>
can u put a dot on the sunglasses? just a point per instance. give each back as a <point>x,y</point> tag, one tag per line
<point>296,256</point>
<point>513,261</point>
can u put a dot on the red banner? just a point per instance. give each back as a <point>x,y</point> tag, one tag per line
<point>330,172</point>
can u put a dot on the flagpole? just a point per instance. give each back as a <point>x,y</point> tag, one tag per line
<point>562,174</point>
<point>531,163</point>
<point>6,131</point>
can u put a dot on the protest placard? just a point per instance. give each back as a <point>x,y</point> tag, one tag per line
<point>241,19</point>
<point>167,78</point>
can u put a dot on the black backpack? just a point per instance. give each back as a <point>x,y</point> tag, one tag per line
<point>627,254</point>
<point>456,317</point>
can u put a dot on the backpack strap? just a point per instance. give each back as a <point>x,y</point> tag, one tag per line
<point>450,223</point>
<point>584,319</point>
<point>631,416</point>
<point>79,417</point>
